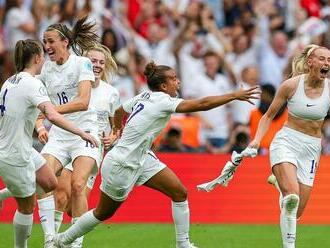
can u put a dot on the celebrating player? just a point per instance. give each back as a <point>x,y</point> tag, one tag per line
<point>131,163</point>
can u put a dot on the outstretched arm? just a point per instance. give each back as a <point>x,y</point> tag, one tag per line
<point>211,102</point>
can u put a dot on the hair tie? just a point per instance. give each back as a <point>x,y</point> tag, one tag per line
<point>151,74</point>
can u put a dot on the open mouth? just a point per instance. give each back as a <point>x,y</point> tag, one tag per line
<point>324,71</point>
<point>51,53</point>
<point>97,70</point>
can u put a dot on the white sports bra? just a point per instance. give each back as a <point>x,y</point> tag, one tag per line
<point>303,107</point>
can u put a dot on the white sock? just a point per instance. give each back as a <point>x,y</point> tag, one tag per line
<point>83,225</point>
<point>58,220</point>
<point>181,215</point>
<point>47,214</point>
<point>22,228</point>
<point>280,200</point>
<point>4,194</point>
<point>288,221</point>
<point>79,241</point>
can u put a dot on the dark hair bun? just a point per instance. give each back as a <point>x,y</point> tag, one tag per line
<point>150,69</point>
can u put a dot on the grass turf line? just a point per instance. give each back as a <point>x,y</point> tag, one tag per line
<point>204,236</point>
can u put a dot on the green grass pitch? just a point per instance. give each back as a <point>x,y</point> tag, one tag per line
<point>204,236</point>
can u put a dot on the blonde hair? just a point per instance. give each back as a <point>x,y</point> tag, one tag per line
<point>110,64</point>
<point>299,63</point>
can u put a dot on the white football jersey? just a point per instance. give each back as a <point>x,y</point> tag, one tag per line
<point>19,97</point>
<point>149,114</point>
<point>62,83</point>
<point>105,100</point>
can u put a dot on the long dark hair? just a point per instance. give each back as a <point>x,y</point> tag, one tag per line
<point>81,38</point>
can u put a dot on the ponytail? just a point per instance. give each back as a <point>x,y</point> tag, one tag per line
<point>25,50</point>
<point>81,38</point>
<point>299,63</point>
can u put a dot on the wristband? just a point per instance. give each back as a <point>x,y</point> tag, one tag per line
<point>40,128</point>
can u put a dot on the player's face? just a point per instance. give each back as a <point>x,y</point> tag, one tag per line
<point>320,63</point>
<point>172,83</point>
<point>98,60</point>
<point>55,46</point>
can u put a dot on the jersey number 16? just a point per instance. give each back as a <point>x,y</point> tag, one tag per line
<point>62,98</point>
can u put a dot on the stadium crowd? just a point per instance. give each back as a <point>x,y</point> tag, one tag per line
<point>215,45</point>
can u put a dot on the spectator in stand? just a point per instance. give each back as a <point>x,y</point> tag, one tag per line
<point>197,35</point>
<point>273,53</point>
<point>240,112</point>
<point>216,123</point>
<point>68,12</point>
<point>18,25</point>
<point>156,44</point>
<point>173,142</point>
<point>243,54</point>
<point>266,98</point>
<point>190,126</point>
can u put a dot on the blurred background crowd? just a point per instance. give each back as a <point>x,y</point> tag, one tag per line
<point>216,46</point>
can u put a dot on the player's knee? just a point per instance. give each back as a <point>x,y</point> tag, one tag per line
<point>50,185</point>
<point>290,204</point>
<point>78,187</point>
<point>61,199</point>
<point>179,194</point>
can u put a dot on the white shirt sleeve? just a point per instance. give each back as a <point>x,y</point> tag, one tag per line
<point>38,93</point>
<point>85,70</point>
<point>169,104</point>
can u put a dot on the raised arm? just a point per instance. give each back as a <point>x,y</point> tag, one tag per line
<point>280,98</point>
<point>211,102</point>
<point>57,119</point>
<point>80,103</point>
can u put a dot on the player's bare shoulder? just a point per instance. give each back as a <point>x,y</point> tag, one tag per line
<point>289,86</point>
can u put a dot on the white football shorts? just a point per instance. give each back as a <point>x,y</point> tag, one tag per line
<point>67,151</point>
<point>118,179</point>
<point>92,178</point>
<point>37,159</point>
<point>20,180</point>
<point>299,149</point>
